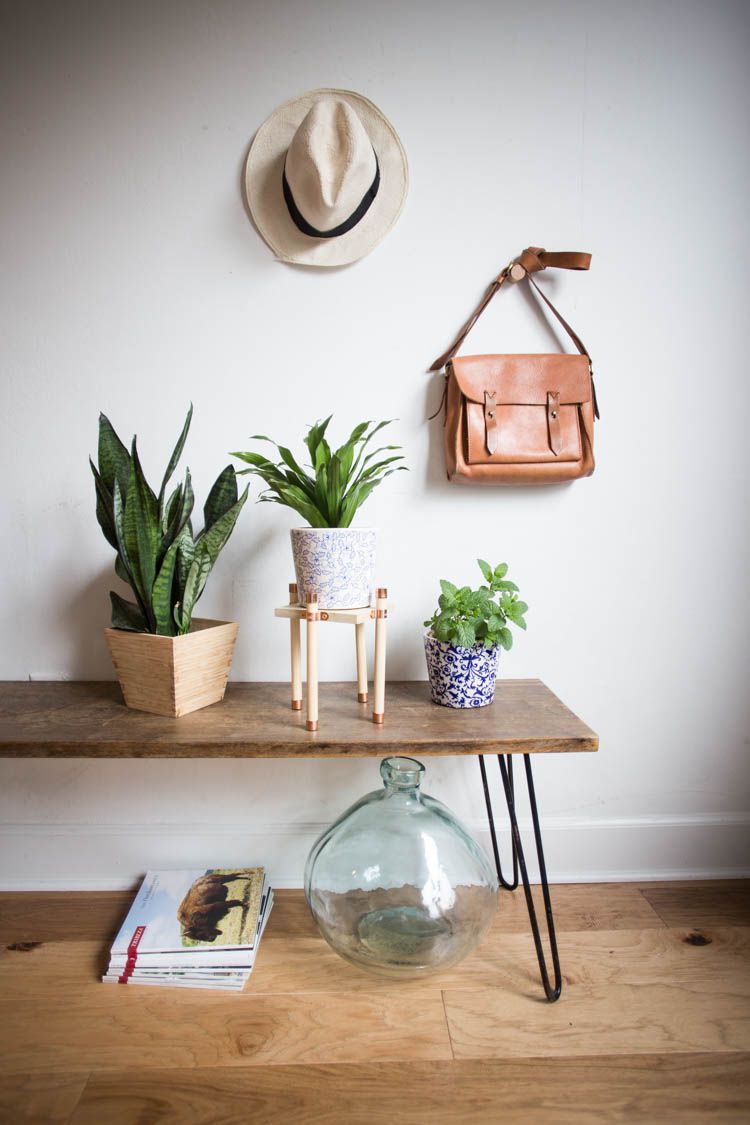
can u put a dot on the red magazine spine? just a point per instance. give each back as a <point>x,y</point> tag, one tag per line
<point>132,954</point>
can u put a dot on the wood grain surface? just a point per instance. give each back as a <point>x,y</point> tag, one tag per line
<point>89,719</point>
<point>653,1024</point>
<point>686,1089</point>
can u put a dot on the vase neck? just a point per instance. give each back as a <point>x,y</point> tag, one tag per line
<point>401,775</point>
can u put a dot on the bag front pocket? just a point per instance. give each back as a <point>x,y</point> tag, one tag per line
<point>521,434</point>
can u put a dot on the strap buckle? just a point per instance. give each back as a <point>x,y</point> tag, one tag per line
<point>514,271</point>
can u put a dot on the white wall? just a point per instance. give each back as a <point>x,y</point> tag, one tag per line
<point>133,282</point>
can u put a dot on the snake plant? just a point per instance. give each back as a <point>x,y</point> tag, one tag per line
<point>339,482</point>
<point>158,555</point>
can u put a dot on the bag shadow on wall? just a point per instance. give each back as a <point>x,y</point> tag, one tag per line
<point>435,470</point>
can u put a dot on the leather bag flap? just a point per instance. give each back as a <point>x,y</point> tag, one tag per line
<point>523,379</point>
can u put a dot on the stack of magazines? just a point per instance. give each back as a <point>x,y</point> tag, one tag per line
<point>193,929</point>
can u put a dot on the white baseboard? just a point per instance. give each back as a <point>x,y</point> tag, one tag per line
<point>77,856</point>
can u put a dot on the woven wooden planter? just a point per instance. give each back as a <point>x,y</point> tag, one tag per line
<point>174,675</point>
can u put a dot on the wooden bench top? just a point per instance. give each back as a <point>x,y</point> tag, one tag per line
<point>89,720</point>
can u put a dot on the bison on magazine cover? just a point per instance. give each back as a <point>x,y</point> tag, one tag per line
<point>205,905</point>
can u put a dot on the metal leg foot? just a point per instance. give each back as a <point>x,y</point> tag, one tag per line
<point>506,773</point>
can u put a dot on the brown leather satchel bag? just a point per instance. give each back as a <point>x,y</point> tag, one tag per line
<point>520,419</point>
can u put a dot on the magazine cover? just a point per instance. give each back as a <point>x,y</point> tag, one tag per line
<point>193,910</point>
<point>230,969</point>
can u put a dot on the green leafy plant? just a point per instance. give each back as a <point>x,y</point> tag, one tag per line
<point>160,558</point>
<point>339,481</point>
<point>466,617</point>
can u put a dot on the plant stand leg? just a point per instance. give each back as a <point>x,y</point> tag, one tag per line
<point>312,617</point>
<point>381,616</point>
<point>360,641</point>
<point>551,992</point>
<point>296,651</point>
<point>504,883</point>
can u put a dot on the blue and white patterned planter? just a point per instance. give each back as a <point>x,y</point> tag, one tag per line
<point>461,677</point>
<point>336,563</point>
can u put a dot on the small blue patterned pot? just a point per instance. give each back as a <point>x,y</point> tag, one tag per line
<point>461,677</point>
<point>336,563</point>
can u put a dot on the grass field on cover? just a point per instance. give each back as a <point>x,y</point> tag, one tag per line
<point>237,927</point>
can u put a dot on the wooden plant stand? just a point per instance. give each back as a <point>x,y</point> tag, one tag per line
<point>312,615</point>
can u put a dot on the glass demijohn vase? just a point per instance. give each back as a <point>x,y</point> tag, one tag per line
<point>397,885</point>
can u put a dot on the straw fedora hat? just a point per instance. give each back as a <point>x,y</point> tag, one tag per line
<point>326,178</point>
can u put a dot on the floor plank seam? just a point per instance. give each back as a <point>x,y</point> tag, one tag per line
<point>650,905</point>
<point>82,1091</point>
<point>447,1024</point>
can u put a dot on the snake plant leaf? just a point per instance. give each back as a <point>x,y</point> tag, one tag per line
<point>185,556</point>
<point>214,538</point>
<point>221,497</point>
<point>118,510</point>
<point>127,615</point>
<point>114,459</point>
<point>170,509</point>
<point>176,454</point>
<point>181,513</point>
<point>170,532</point>
<point>104,509</point>
<point>196,581</point>
<point>122,571</point>
<point>141,527</point>
<point>162,598</point>
<point>188,503</point>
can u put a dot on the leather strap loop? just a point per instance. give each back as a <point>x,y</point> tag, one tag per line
<point>491,427</point>
<point>533,259</point>
<point>553,421</point>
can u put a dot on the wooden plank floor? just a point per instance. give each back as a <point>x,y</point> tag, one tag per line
<point>653,1024</point>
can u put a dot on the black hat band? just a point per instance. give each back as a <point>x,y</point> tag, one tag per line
<point>356,216</point>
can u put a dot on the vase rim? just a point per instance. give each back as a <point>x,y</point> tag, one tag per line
<point>319,530</point>
<point>401,772</point>
<point>463,648</point>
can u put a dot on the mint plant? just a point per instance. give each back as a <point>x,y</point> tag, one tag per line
<point>339,481</point>
<point>466,617</point>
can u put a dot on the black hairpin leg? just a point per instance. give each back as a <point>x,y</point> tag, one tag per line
<point>496,851</point>
<point>506,773</point>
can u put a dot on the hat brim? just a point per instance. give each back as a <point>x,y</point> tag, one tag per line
<point>263,185</point>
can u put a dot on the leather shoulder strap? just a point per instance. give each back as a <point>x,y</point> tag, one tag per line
<point>532,260</point>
